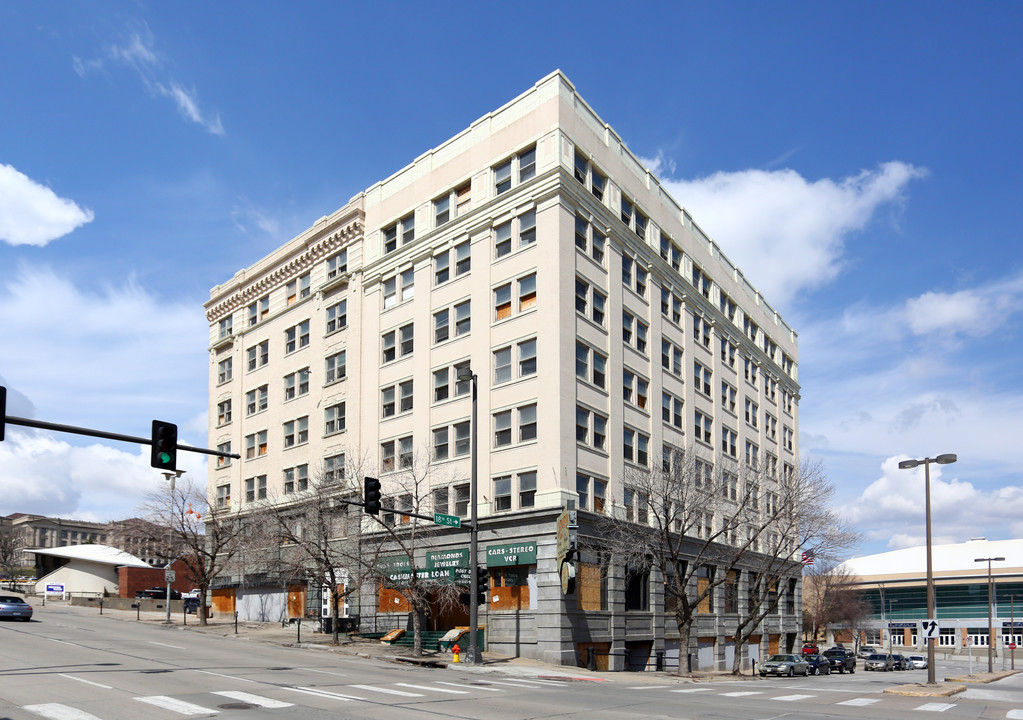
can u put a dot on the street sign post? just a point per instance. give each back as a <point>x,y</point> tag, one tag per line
<point>449,520</point>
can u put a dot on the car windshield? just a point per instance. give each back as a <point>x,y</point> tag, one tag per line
<point>11,600</point>
<point>876,656</point>
<point>780,658</point>
<point>835,652</point>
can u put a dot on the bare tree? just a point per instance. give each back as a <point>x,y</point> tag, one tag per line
<point>830,597</point>
<point>795,515</point>
<point>12,540</point>
<point>317,532</point>
<point>205,538</point>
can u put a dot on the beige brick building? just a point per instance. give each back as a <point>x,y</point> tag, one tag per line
<point>605,328</point>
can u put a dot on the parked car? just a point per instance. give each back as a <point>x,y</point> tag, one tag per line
<point>12,606</point>
<point>879,661</point>
<point>193,593</point>
<point>841,659</point>
<point>866,651</point>
<point>918,662</point>
<point>784,665</point>
<point>819,665</point>
<point>158,593</point>
<point>901,662</point>
<point>810,648</point>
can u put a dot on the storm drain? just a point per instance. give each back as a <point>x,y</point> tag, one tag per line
<point>237,706</point>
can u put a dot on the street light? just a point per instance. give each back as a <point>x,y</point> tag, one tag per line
<point>945,459</point>
<point>990,613</point>
<point>890,620</point>
<point>465,374</point>
<point>172,476</point>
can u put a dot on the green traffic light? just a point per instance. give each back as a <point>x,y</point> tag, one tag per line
<point>165,458</point>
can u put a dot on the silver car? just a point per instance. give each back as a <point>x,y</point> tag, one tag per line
<point>918,662</point>
<point>784,665</point>
<point>879,661</point>
<point>14,607</point>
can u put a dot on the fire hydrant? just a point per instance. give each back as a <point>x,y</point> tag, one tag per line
<point>455,650</point>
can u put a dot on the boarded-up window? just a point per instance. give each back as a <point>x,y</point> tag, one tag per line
<point>392,600</point>
<point>732,592</point>
<point>704,578</point>
<point>509,588</point>
<point>222,600</point>
<point>591,587</point>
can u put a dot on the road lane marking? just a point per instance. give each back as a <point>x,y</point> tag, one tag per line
<point>537,681</point>
<point>474,686</point>
<point>56,711</point>
<point>859,702</point>
<point>253,699</point>
<point>388,691</point>
<point>176,647</point>
<point>178,706</point>
<point>229,677</point>
<point>1014,714</point>
<point>514,684</point>
<point>692,690</point>
<point>742,693</point>
<point>324,693</point>
<point>325,672</point>
<point>792,698</point>
<point>64,642</point>
<point>83,680</point>
<point>935,707</point>
<point>433,689</point>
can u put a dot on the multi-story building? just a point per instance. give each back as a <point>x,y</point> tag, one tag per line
<point>133,535</point>
<point>535,248</point>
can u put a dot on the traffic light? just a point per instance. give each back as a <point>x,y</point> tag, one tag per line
<point>482,585</point>
<point>371,495</point>
<point>164,454</point>
<point>3,410</point>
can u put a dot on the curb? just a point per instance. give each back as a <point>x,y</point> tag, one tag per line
<point>925,690</point>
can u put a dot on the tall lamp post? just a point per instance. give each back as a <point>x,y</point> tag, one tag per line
<point>465,374</point>
<point>990,613</point>
<point>172,476</point>
<point>945,459</point>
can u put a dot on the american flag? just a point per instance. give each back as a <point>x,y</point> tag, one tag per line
<point>808,557</point>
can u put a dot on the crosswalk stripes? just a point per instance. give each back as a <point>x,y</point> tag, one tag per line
<point>792,698</point>
<point>253,699</point>
<point>387,691</point>
<point>323,693</point>
<point>741,693</point>
<point>691,690</point>
<point>56,711</point>
<point>433,689</point>
<point>179,706</point>
<point>859,702</point>
<point>475,686</point>
<point>936,707</point>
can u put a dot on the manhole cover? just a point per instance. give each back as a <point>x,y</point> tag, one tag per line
<point>237,706</point>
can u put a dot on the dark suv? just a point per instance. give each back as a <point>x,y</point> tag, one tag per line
<point>158,593</point>
<point>841,659</point>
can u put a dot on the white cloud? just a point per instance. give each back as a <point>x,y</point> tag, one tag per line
<point>32,214</point>
<point>189,107</point>
<point>786,232</point>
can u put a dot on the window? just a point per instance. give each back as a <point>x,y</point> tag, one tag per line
<point>771,465</point>
<point>752,455</point>
<point>727,306</point>
<point>787,365</point>
<point>502,302</point>
<point>702,375</point>
<point>502,493</point>
<point>729,486</point>
<point>636,447</point>
<point>728,442</point>
<point>403,447</point>
<point>462,498</point>
<point>634,276</point>
<point>442,322</point>
<point>442,263</point>
<point>592,492</point>
<point>633,218</point>
<point>527,489</point>
<point>225,327</point>
<point>701,282</point>
<point>296,432</point>
<point>298,288</point>
<point>527,228</point>
<point>255,488</point>
<point>527,292</point>
<point>671,358</point>
<point>296,337</point>
<point>634,331</point>
<point>786,401</point>
<point>522,166</point>
<point>334,419</point>
<point>589,302</point>
<point>702,426</point>
<point>750,328</point>
<point>259,310</point>
<point>337,264</point>
<point>256,400</point>
<point>771,388</point>
<point>398,343</point>
<point>590,428</point>
<point>401,286</point>
<point>502,239</point>
<point>439,496</point>
<point>258,355</point>
<point>223,496</point>
<point>750,371</point>
<point>728,397</point>
<point>224,371</point>
<point>223,461</point>
<point>337,316</point>
<point>671,410</point>
<point>634,389</point>
<point>334,468</point>
<point>406,228</point>
<point>441,210</point>
<point>526,361</point>
<point>637,506</point>
<point>770,348</point>
<point>701,331</point>
<point>589,240</point>
<point>224,412</point>
<point>255,445</point>
<point>459,198</point>
<point>728,353</point>
<point>440,443</point>
<point>752,410</point>
<point>296,384</point>
<point>590,365</point>
<point>526,416</point>
<point>589,176</point>
<point>527,423</point>
<point>526,295</point>
<point>703,473</point>
<point>335,367</point>
<point>787,438</point>
<point>296,479</point>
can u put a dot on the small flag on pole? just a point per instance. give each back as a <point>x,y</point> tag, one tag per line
<point>808,557</point>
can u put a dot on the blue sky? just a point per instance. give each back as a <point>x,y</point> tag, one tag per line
<point>861,162</point>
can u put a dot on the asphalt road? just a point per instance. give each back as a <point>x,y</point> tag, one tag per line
<point>73,664</point>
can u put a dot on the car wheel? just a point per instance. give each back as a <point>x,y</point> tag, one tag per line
<point>817,670</point>
<point>841,670</point>
<point>763,674</point>
<point>807,671</point>
<point>852,669</point>
<point>792,671</point>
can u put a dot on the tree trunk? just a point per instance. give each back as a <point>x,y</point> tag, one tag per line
<point>685,658</point>
<point>201,610</point>
<point>741,638</point>
<point>335,620</point>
